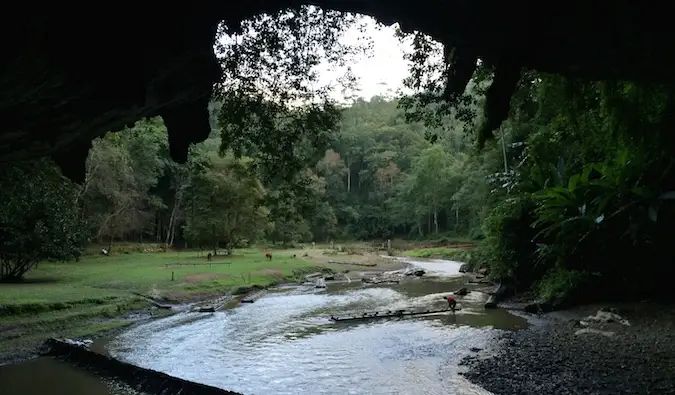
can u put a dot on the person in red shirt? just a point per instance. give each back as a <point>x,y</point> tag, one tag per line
<point>452,303</point>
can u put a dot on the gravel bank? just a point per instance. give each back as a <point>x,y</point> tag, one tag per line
<point>549,358</point>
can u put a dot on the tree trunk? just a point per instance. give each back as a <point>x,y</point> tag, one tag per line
<point>436,220</point>
<point>172,223</point>
<point>173,235</point>
<point>215,242</point>
<point>349,178</point>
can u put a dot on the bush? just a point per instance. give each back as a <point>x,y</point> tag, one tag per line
<point>562,286</point>
<point>508,244</point>
<point>38,218</point>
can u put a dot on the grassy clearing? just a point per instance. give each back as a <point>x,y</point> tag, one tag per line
<point>99,278</point>
<point>92,295</point>
<point>455,254</point>
<point>441,241</point>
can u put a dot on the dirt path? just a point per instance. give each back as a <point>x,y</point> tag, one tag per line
<point>357,261</point>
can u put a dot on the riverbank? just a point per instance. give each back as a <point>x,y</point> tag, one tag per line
<point>101,295</point>
<point>561,355</point>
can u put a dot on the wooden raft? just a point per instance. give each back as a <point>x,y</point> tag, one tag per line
<point>388,314</point>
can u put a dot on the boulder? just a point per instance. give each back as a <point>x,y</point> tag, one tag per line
<point>415,271</point>
<point>585,331</point>
<point>538,307</point>
<point>605,316</point>
<point>464,268</point>
<point>496,295</point>
<point>461,292</point>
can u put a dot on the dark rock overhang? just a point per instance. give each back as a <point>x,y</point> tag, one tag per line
<point>68,76</point>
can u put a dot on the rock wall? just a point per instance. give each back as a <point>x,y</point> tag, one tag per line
<point>69,75</point>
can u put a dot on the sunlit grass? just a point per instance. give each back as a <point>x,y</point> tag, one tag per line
<point>92,295</point>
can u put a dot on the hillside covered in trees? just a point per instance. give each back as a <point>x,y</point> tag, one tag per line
<point>378,178</point>
<point>572,194</point>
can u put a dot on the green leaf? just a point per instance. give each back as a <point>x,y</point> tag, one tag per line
<point>572,185</point>
<point>653,212</point>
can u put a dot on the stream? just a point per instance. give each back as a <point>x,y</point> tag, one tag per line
<point>284,343</point>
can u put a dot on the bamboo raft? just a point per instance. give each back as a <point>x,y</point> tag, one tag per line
<point>389,314</point>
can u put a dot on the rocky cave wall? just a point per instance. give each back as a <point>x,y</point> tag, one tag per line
<point>68,76</point>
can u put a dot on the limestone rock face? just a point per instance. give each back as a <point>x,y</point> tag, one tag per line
<point>70,75</point>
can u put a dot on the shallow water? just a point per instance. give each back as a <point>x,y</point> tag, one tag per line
<point>46,376</point>
<point>285,344</point>
<point>439,267</point>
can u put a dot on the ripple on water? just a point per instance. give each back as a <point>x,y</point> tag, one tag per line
<point>283,344</point>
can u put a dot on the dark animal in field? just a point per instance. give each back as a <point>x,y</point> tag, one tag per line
<point>268,256</point>
<point>293,256</point>
<point>209,256</point>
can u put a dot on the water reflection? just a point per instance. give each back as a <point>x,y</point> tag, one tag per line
<point>44,376</point>
<point>284,343</point>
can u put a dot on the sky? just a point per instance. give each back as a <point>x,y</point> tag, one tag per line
<point>380,74</point>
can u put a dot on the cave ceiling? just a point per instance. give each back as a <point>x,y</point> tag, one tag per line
<point>68,76</point>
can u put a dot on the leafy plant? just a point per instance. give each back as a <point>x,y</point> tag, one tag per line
<point>38,218</point>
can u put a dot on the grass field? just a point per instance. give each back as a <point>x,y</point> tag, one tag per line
<point>92,295</point>
<point>456,254</point>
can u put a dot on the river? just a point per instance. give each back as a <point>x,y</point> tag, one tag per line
<point>284,343</point>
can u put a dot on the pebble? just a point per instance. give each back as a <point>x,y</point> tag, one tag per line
<point>551,359</point>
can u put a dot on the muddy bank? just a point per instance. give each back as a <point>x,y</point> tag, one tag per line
<point>562,356</point>
<point>24,352</point>
<point>98,327</point>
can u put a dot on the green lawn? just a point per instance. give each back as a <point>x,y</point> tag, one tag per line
<point>82,297</point>
<point>455,254</point>
<point>438,252</point>
<point>99,277</point>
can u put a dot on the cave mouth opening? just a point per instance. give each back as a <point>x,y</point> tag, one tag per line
<point>57,93</point>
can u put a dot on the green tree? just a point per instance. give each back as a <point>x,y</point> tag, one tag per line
<point>227,205</point>
<point>38,218</point>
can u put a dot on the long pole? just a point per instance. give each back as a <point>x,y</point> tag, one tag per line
<point>501,133</point>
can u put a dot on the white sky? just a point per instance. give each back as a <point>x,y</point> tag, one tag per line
<point>380,74</point>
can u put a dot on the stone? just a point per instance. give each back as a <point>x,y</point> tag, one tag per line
<point>461,292</point>
<point>586,331</point>
<point>607,317</point>
<point>415,271</point>
<point>464,268</point>
<point>538,307</point>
